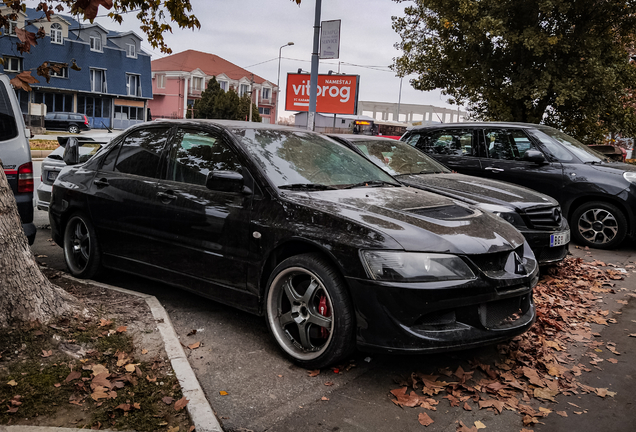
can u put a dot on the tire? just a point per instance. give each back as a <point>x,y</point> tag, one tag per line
<point>598,225</point>
<point>81,249</point>
<point>74,129</point>
<point>310,337</point>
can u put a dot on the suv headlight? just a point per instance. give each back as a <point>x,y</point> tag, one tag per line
<point>630,176</point>
<point>415,266</point>
<point>506,213</point>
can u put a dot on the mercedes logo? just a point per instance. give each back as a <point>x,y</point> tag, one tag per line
<point>556,214</point>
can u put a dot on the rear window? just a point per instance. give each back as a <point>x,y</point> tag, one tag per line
<point>8,125</point>
<point>61,116</point>
<point>77,117</point>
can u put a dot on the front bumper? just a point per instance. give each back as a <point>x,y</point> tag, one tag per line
<point>539,242</point>
<point>442,316</point>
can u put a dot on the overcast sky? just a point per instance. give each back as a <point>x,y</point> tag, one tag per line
<point>249,34</point>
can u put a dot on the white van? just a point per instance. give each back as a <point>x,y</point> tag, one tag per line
<point>15,155</point>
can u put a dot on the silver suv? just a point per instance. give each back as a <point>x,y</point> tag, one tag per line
<point>16,155</point>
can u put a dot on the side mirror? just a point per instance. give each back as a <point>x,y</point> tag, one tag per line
<point>534,156</point>
<point>71,152</point>
<point>225,181</point>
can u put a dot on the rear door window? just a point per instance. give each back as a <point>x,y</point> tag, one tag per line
<point>8,125</point>
<point>139,153</point>
<point>451,142</point>
<point>507,144</point>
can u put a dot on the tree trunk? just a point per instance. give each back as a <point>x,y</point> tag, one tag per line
<point>25,293</point>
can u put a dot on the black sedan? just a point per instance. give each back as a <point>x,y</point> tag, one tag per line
<point>597,196</point>
<point>537,216</point>
<point>289,224</point>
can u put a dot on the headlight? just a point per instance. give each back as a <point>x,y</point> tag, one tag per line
<point>630,176</point>
<point>415,266</point>
<point>507,214</point>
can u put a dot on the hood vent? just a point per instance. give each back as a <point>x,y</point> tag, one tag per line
<point>448,212</point>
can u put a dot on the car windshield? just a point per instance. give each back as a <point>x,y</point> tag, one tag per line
<point>295,157</point>
<point>398,158</point>
<point>581,151</point>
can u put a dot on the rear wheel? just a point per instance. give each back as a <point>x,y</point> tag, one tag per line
<point>309,312</point>
<point>598,225</point>
<point>73,129</point>
<point>81,250</point>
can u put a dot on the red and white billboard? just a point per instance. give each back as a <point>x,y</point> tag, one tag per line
<point>337,94</point>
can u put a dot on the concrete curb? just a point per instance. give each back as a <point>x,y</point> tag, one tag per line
<point>198,406</point>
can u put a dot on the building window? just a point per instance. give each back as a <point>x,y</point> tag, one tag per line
<point>59,70</point>
<point>11,26</point>
<point>161,81</point>
<point>197,83</point>
<point>223,85</point>
<point>133,85</point>
<point>56,33</point>
<point>243,89</point>
<point>12,64</point>
<point>131,51</point>
<point>266,93</point>
<point>264,111</point>
<point>98,81</point>
<point>96,43</point>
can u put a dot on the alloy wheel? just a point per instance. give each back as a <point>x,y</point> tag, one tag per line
<point>598,226</point>
<point>77,245</point>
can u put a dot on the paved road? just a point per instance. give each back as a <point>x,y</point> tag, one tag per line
<point>266,392</point>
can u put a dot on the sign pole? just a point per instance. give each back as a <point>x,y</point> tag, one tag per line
<point>313,84</point>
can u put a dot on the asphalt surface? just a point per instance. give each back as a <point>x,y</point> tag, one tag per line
<point>267,392</point>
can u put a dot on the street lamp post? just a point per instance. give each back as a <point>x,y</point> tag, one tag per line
<point>278,81</point>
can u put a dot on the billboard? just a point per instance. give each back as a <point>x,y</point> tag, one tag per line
<point>337,94</point>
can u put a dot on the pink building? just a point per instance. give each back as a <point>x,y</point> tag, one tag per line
<point>179,79</point>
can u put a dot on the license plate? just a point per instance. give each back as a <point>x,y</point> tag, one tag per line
<point>51,176</point>
<point>560,239</point>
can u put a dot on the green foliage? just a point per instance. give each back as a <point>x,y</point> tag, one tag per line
<point>218,104</point>
<point>559,62</point>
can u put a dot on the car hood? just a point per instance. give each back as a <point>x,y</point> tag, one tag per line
<point>616,168</point>
<point>417,220</point>
<point>479,190</point>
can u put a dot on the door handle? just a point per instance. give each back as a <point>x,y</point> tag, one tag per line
<point>102,182</point>
<point>493,169</point>
<point>166,196</point>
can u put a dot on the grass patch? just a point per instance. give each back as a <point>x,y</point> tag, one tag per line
<point>84,374</point>
<point>43,144</point>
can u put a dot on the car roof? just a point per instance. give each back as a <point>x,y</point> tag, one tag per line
<point>354,137</point>
<point>230,124</point>
<point>479,124</point>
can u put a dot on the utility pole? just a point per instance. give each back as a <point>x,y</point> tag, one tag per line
<point>313,83</point>
<point>251,94</point>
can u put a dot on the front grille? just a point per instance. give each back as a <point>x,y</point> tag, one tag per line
<point>502,314</point>
<point>494,262</point>
<point>544,217</point>
<point>443,212</point>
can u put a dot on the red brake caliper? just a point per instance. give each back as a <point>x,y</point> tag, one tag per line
<point>323,309</point>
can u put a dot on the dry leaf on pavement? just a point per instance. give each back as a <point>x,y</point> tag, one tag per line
<point>181,403</point>
<point>424,419</point>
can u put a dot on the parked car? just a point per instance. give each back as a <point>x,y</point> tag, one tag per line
<point>537,216</point>
<point>67,121</point>
<point>53,164</point>
<point>15,155</point>
<point>597,196</point>
<point>289,224</point>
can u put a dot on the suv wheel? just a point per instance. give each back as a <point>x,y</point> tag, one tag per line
<point>309,312</point>
<point>598,225</point>
<point>81,250</point>
<point>73,129</point>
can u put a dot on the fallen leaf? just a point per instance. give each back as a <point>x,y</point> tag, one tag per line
<point>324,398</point>
<point>121,329</point>
<point>313,373</point>
<point>463,428</point>
<point>173,429</point>
<point>144,351</point>
<point>328,383</point>
<point>424,419</point>
<point>103,322</point>
<point>562,413</point>
<point>12,383</point>
<point>194,345</point>
<point>131,367</point>
<point>151,379</point>
<point>467,407</point>
<point>181,403</point>
<point>223,393</point>
<point>46,353</point>
<point>57,385</point>
<point>192,332</point>
<point>479,425</point>
<point>167,400</point>
<point>124,407</point>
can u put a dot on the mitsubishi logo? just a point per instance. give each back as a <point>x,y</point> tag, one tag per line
<point>519,267</point>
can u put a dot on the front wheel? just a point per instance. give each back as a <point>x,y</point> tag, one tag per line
<point>598,225</point>
<point>73,129</point>
<point>81,250</point>
<point>309,312</point>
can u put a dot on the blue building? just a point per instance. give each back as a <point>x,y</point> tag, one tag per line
<point>102,73</point>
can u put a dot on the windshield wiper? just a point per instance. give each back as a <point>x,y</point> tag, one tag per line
<point>307,186</point>
<point>594,162</point>
<point>371,183</point>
